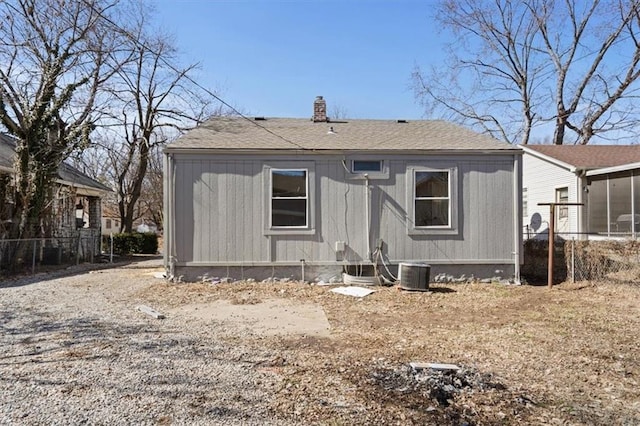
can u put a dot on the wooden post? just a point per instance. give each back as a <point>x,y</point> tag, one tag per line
<point>552,236</point>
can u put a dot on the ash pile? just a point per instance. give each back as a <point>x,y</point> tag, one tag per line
<point>439,385</point>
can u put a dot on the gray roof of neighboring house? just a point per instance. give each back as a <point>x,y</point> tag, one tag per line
<point>7,151</point>
<point>66,172</point>
<point>589,156</point>
<point>236,133</point>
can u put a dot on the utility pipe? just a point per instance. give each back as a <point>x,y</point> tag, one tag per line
<point>366,207</point>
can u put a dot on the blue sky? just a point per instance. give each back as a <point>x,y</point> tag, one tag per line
<point>273,57</point>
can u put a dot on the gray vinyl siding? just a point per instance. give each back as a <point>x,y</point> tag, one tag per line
<point>220,202</point>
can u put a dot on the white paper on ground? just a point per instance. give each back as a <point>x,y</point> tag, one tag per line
<point>433,366</point>
<point>353,291</point>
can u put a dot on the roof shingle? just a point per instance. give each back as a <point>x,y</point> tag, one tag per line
<point>590,156</point>
<point>372,135</point>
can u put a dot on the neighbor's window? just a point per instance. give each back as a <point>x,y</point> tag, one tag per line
<point>289,198</point>
<point>364,166</point>
<point>562,196</point>
<point>108,224</point>
<point>432,199</point>
<point>525,203</point>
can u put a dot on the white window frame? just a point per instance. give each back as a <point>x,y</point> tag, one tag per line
<point>354,161</point>
<point>383,173</point>
<point>309,169</point>
<point>563,211</point>
<point>452,227</point>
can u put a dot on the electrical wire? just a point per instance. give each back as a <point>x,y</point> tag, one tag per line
<point>198,85</point>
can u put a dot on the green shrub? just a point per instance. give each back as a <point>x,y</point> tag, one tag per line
<point>135,243</point>
<point>149,243</point>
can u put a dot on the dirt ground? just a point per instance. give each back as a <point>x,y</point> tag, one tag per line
<point>529,355</point>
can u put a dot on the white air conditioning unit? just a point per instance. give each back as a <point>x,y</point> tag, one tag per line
<point>414,276</point>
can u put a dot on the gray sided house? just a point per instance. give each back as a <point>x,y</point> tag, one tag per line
<point>605,179</point>
<point>277,197</point>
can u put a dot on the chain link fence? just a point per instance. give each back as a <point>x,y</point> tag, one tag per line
<point>583,260</point>
<point>32,255</point>
<point>617,261</point>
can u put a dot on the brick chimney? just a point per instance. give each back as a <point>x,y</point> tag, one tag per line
<point>319,110</point>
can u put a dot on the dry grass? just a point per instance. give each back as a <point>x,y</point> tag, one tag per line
<point>570,355</point>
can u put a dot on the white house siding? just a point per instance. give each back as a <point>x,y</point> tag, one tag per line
<point>541,178</point>
<point>218,207</point>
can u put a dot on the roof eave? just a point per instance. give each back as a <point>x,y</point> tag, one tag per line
<point>569,167</point>
<point>273,151</point>
<point>613,169</point>
<point>87,190</point>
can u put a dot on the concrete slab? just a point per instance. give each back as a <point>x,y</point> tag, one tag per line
<point>269,317</point>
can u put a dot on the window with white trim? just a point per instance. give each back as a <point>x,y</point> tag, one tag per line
<point>289,206</point>
<point>562,196</point>
<point>366,166</point>
<point>432,199</point>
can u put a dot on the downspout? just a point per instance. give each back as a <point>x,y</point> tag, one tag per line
<point>580,199</point>
<point>169,242</point>
<point>608,209</point>
<point>517,214</point>
<point>368,213</point>
<point>633,208</point>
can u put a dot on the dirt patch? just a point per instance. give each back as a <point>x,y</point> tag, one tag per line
<point>532,355</point>
<point>261,317</point>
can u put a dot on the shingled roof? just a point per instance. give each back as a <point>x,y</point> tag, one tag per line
<point>236,133</point>
<point>589,157</point>
<point>66,172</point>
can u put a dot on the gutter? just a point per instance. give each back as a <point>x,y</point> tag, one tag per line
<point>340,152</point>
<point>613,169</point>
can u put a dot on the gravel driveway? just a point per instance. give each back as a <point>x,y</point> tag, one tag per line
<point>74,350</point>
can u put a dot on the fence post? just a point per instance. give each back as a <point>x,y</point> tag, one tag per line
<point>78,249</point>
<point>33,258</point>
<point>93,246</point>
<point>573,259</point>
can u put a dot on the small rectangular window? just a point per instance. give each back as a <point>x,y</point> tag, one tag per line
<point>108,224</point>
<point>562,196</point>
<point>289,198</point>
<point>525,202</point>
<point>432,200</point>
<point>365,166</point>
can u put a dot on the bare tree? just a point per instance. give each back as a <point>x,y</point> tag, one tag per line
<point>157,101</point>
<point>338,112</point>
<point>55,57</point>
<point>517,64</point>
<point>595,52</point>
<point>150,205</point>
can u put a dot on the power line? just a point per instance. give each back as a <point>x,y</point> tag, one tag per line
<point>209,92</point>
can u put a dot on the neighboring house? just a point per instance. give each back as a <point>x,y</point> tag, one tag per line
<point>286,197</point>
<point>76,207</point>
<point>110,219</point>
<point>604,178</point>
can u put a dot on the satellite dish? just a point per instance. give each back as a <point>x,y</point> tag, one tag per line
<point>536,221</point>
